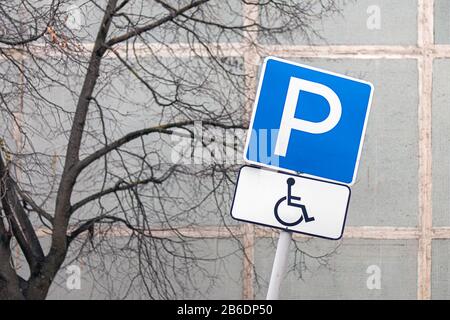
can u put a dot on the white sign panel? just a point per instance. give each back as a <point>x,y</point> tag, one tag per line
<point>291,202</point>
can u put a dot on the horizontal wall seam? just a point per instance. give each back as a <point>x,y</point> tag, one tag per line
<point>237,231</point>
<point>238,49</point>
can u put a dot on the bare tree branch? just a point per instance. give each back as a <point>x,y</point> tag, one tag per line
<point>137,31</point>
<point>122,185</point>
<point>18,219</point>
<point>139,133</point>
<point>50,178</point>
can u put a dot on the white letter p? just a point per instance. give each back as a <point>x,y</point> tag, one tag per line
<point>288,120</point>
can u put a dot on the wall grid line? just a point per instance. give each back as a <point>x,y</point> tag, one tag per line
<point>426,43</point>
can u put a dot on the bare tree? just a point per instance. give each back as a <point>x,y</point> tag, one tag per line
<point>92,106</point>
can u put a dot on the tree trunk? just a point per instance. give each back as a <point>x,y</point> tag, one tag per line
<point>40,282</point>
<point>45,268</point>
<point>10,283</point>
<point>9,292</point>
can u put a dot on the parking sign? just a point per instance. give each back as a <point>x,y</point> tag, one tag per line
<point>308,121</point>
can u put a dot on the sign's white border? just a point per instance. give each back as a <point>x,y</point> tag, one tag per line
<point>261,79</point>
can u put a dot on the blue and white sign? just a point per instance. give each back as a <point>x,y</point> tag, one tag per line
<point>308,121</point>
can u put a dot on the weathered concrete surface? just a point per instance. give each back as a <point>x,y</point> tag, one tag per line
<point>343,270</point>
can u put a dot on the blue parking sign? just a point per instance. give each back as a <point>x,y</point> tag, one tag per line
<point>308,121</point>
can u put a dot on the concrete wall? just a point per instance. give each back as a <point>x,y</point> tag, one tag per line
<point>397,240</point>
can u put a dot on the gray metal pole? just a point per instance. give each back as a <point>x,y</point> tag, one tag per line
<point>279,265</point>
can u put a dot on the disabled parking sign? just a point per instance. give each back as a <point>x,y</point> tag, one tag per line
<point>290,202</point>
<point>308,121</point>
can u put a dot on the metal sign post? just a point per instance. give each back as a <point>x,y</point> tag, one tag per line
<point>279,265</point>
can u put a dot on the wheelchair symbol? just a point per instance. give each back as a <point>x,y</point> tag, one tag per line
<point>290,203</point>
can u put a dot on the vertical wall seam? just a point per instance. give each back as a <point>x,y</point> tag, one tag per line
<point>425,68</point>
<point>251,62</point>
